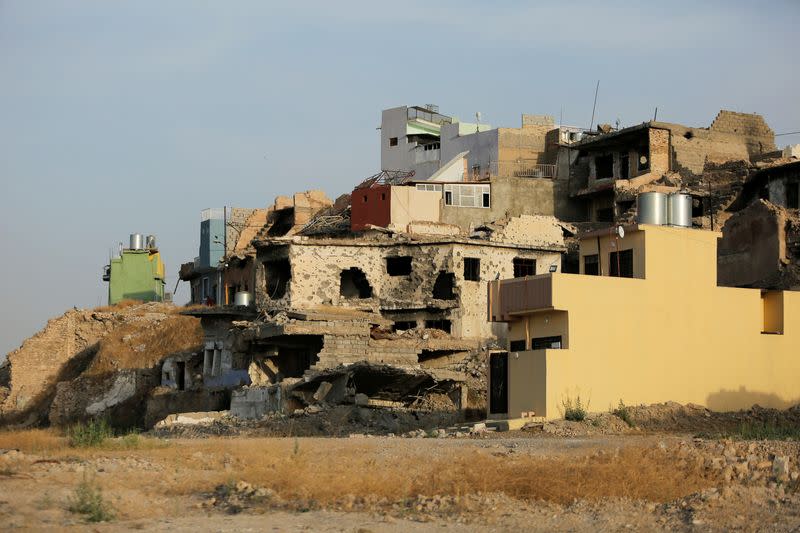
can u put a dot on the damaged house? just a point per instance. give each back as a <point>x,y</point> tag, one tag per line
<point>375,316</point>
<point>760,244</point>
<point>608,169</point>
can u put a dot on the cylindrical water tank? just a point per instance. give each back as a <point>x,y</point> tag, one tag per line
<point>137,241</point>
<point>679,210</point>
<point>651,208</point>
<point>151,242</point>
<point>242,298</point>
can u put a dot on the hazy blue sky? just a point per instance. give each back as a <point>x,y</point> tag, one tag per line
<point>121,117</point>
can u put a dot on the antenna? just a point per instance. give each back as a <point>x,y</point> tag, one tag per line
<point>477,121</point>
<point>655,114</point>
<point>594,105</point>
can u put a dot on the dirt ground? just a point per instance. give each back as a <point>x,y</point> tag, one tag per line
<point>526,480</point>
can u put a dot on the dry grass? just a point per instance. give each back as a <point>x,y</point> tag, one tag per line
<point>119,306</point>
<point>326,472</point>
<point>136,346</point>
<point>34,441</point>
<point>311,470</point>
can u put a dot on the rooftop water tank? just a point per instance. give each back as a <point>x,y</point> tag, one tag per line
<point>151,242</point>
<point>679,210</point>
<point>651,208</point>
<point>243,299</point>
<point>137,241</point>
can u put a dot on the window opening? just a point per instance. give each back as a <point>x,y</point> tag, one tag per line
<point>354,284</point>
<point>278,274</point>
<point>524,267</point>
<point>444,287</point>
<point>472,269</point>
<point>440,324</point>
<point>392,141</point>
<point>591,265</point>
<point>398,266</point>
<point>546,343</point>
<point>517,346</point>
<point>604,166</point>
<point>624,266</point>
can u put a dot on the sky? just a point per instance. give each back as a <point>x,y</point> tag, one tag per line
<point>132,117</point>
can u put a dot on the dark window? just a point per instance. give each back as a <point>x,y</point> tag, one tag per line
<point>365,198</point>
<point>591,265</point>
<point>517,346</point>
<point>278,274</point>
<point>486,199</point>
<point>763,193</point>
<point>403,325</point>
<point>546,343</point>
<point>354,284</point>
<point>624,166</point>
<point>605,214</point>
<point>622,268</point>
<point>448,198</point>
<point>444,287</point>
<point>604,166</point>
<point>698,205</point>
<point>472,269</point>
<point>392,141</point>
<point>398,266</point>
<point>524,267</point>
<point>793,195</point>
<point>443,325</point>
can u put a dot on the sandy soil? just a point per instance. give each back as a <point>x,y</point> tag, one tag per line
<point>214,484</point>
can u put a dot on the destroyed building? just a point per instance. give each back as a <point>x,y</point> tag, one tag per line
<point>379,299</point>
<point>760,245</point>
<point>608,169</point>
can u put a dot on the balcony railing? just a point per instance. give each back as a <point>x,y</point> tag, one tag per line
<point>522,169</point>
<point>512,296</point>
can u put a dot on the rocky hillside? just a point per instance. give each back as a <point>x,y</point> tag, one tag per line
<point>86,362</point>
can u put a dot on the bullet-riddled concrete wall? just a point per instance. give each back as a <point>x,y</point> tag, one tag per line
<point>316,271</point>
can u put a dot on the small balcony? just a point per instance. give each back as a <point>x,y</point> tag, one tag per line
<point>516,296</point>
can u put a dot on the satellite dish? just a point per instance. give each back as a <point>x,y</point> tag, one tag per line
<point>621,232</point>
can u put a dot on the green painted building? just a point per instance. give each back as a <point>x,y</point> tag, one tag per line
<point>137,274</point>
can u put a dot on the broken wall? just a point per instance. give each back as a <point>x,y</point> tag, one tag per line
<point>317,278</point>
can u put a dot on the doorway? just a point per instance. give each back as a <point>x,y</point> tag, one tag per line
<point>180,375</point>
<point>498,376</point>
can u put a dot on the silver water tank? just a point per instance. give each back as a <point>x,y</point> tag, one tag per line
<point>679,210</point>
<point>137,241</point>
<point>151,242</point>
<point>243,298</point>
<point>651,208</point>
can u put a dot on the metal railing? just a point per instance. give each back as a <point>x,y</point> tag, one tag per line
<point>429,116</point>
<point>522,169</point>
<point>519,295</point>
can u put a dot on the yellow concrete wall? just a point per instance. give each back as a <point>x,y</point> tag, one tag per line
<point>410,205</point>
<point>609,243</point>
<point>672,336</point>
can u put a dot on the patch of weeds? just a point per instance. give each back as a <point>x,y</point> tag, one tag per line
<point>89,435</point>
<point>623,412</point>
<point>574,410</point>
<point>766,430</point>
<point>88,501</point>
<point>130,441</point>
<point>45,502</point>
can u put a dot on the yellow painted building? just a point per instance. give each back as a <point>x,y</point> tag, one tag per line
<point>662,332</point>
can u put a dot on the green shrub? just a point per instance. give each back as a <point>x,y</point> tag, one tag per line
<point>574,410</point>
<point>767,430</point>
<point>623,413</point>
<point>88,501</point>
<point>90,434</point>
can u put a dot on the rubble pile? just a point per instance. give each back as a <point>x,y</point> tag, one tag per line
<point>93,363</point>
